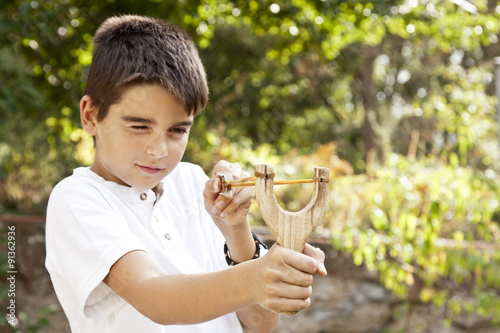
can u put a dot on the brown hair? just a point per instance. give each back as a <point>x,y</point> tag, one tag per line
<point>130,50</point>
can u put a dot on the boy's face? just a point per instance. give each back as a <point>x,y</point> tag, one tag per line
<point>142,139</point>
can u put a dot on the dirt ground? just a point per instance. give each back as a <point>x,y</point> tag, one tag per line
<point>36,305</point>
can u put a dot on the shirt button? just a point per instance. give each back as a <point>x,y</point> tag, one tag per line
<point>156,219</point>
<point>143,196</point>
<point>167,236</point>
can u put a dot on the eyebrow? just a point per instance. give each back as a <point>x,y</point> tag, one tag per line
<point>133,119</point>
<point>184,123</point>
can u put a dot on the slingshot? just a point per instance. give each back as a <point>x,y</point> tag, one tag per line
<point>291,229</point>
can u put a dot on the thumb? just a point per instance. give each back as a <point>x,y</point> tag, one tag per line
<point>212,188</point>
<point>318,255</point>
<point>213,185</point>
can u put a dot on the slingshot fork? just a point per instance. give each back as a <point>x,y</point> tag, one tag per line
<point>291,229</point>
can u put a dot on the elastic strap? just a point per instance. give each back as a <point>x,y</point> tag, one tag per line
<point>265,176</point>
<point>321,179</point>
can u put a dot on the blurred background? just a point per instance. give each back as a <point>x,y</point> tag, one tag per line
<point>396,97</point>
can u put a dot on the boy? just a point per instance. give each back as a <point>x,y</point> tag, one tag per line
<point>136,242</point>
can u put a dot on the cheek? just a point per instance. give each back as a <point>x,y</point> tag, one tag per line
<point>123,147</point>
<point>182,146</point>
<point>128,141</point>
<point>176,151</point>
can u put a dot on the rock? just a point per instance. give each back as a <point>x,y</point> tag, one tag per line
<point>341,306</point>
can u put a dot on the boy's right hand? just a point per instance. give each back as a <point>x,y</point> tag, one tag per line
<point>283,278</point>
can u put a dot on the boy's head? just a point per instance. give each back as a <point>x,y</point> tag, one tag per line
<point>131,50</point>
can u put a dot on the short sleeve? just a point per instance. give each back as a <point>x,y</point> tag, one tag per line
<point>85,236</point>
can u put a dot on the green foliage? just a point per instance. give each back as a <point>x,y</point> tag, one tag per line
<point>31,324</point>
<point>288,74</point>
<point>422,221</point>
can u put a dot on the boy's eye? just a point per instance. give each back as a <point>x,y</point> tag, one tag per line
<point>179,130</point>
<point>139,127</point>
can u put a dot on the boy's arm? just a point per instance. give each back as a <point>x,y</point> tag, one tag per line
<point>173,299</point>
<point>231,216</point>
<point>279,281</point>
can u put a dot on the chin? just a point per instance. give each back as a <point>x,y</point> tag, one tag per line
<point>144,185</point>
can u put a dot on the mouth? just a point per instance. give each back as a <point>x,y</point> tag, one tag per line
<point>151,170</point>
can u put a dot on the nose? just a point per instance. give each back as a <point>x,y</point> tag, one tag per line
<point>157,146</point>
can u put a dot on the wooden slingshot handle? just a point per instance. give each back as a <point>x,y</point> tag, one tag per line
<point>291,229</point>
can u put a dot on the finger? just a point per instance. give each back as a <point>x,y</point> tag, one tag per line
<point>297,292</point>
<point>223,167</point>
<point>237,171</point>
<point>235,168</point>
<point>291,292</point>
<point>284,304</point>
<point>293,305</point>
<point>220,202</point>
<point>228,204</point>
<point>301,261</point>
<point>240,200</point>
<point>213,185</point>
<point>211,192</point>
<point>232,171</point>
<point>297,278</point>
<point>319,256</point>
<point>290,266</point>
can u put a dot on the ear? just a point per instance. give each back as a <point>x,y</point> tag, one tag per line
<point>88,115</point>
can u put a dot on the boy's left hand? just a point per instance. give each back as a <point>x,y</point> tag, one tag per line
<point>231,211</point>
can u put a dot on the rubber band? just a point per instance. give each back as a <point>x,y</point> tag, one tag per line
<point>227,185</point>
<point>321,179</point>
<point>265,175</point>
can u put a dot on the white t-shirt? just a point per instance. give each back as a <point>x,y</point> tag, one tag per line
<point>92,222</point>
